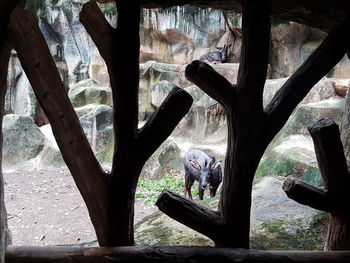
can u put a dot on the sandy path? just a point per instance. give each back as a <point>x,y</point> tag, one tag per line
<point>45,208</point>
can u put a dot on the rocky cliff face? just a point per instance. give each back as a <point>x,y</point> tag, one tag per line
<point>172,37</point>
<point>180,34</point>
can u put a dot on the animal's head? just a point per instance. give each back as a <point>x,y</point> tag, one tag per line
<point>223,53</point>
<point>205,172</point>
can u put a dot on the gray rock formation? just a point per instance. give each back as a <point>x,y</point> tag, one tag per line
<point>323,15</point>
<point>20,98</point>
<point>180,34</point>
<point>88,92</point>
<point>98,127</point>
<point>292,153</point>
<point>23,140</point>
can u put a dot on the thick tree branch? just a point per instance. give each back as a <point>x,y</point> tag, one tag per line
<point>42,73</point>
<point>191,214</point>
<point>98,28</point>
<point>167,254</point>
<point>254,57</point>
<point>211,82</point>
<point>318,64</point>
<point>330,157</point>
<point>307,194</point>
<point>163,121</point>
<point>124,75</point>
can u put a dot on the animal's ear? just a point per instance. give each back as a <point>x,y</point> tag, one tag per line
<point>215,165</point>
<point>195,164</point>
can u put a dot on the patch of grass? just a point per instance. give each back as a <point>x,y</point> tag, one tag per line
<point>276,237</point>
<point>151,189</point>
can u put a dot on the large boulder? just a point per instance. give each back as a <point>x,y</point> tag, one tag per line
<point>307,114</point>
<point>152,72</point>
<point>98,71</point>
<point>22,140</point>
<point>20,98</point>
<point>278,222</point>
<point>206,118</point>
<point>292,151</point>
<point>50,156</point>
<point>98,127</point>
<point>295,156</point>
<point>324,89</point>
<point>159,91</point>
<point>166,157</point>
<point>88,92</point>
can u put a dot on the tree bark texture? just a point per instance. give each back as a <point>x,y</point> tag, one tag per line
<point>109,197</point>
<point>167,254</point>
<point>6,7</point>
<point>335,197</point>
<point>250,127</point>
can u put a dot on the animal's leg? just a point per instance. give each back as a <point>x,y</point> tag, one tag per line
<point>188,185</point>
<point>189,189</point>
<point>200,192</point>
<point>212,191</point>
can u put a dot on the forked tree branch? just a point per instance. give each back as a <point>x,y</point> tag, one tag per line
<point>335,199</point>
<point>132,147</point>
<point>43,75</point>
<point>317,65</point>
<point>331,161</point>
<point>163,121</point>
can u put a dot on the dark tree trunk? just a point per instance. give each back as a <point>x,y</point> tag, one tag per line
<point>335,197</point>
<point>120,49</point>
<point>250,127</point>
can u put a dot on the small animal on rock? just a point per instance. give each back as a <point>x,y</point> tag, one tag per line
<point>203,168</point>
<point>214,57</point>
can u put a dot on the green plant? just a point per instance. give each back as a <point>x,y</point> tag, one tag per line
<point>108,9</point>
<point>151,188</point>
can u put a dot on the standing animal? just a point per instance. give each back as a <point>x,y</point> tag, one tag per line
<point>218,56</point>
<point>203,168</point>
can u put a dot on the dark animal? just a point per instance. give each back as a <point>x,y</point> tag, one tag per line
<point>218,56</point>
<point>203,168</point>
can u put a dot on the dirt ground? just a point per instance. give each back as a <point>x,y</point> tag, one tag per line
<point>46,208</point>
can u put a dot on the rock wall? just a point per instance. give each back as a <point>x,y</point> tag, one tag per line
<point>180,34</point>
<point>171,38</point>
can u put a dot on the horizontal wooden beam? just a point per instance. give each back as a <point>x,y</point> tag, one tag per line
<point>166,254</point>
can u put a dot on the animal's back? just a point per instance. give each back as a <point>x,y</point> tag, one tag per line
<point>204,159</point>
